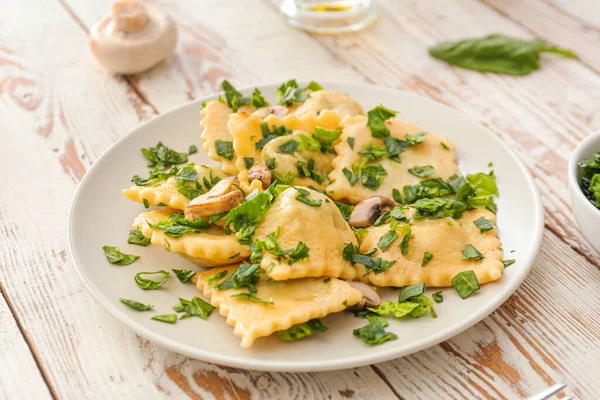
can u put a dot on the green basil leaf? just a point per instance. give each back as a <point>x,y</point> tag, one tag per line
<point>387,239</point>
<point>248,296</point>
<point>192,149</point>
<point>376,265</point>
<point>188,173</point>
<point>136,305</point>
<point>270,134</point>
<point>411,291</point>
<point>194,308</point>
<point>314,86</point>
<point>465,283</point>
<point>483,224</point>
<point>508,263</point>
<point>248,162</point>
<point>225,149</point>
<point>302,330</point>
<point>350,141</point>
<point>212,280</point>
<point>496,53</point>
<point>245,217</point>
<point>289,147</point>
<point>168,318</point>
<point>299,253</point>
<point>161,157</point>
<point>374,333</point>
<point>326,137</point>
<point>437,297</point>
<point>471,253</point>
<point>345,209</point>
<point>258,100</point>
<point>246,275</point>
<point>422,172</point>
<point>289,92</point>
<point>234,98</point>
<point>427,256</point>
<point>114,256</point>
<point>308,201</point>
<point>184,275</point>
<point>149,284</point>
<point>376,121</point>
<point>136,237</point>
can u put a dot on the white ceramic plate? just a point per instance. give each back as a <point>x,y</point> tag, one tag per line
<point>101,215</point>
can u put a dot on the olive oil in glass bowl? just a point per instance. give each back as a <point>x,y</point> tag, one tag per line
<point>329,16</point>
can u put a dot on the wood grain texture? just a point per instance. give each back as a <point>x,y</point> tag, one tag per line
<point>23,371</point>
<point>535,339</point>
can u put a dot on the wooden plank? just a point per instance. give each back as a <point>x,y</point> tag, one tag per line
<point>22,380</point>
<point>574,24</point>
<point>60,108</point>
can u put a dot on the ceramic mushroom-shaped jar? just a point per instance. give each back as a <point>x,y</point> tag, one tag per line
<point>133,38</point>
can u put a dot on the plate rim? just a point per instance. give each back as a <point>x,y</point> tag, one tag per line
<point>310,366</point>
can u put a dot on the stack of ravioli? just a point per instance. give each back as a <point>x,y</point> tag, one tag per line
<point>283,255</point>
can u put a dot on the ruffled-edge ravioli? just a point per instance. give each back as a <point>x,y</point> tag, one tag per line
<point>210,248</point>
<point>445,238</point>
<point>338,102</point>
<point>322,229</point>
<point>294,302</point>
<point>246,131</point>
<point>165,193</point>
<point>430,152</point>
<point>214,127</point>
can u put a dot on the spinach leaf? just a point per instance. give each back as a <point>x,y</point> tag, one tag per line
<point>194,308</point>
<point>483,224</point>
<point>246,275</point>
<point>422,172</point>
<point>136,237</point>
<point>377,265</point>
<point>411,291</point>
<point>289,92</point>
<point>149,284</point>
<point>188,173</point>
<point>270,134</point>
<point>465,283</point>
<point>184,275</point>
<point>114,256</point>
<point>258,100</point>
<point>396,195</point>
<point>248,162</point>
<point>427,256</point>
<point>508,263</point>
<point>496,53</point>
<point>248,296</point>
<point>245,217</point>
<point>192,149</point>
<point>136,305</point>
<point>438,208</point>
<point>374,333</point>
<point>372,176</point>
<point>289,147</point>
<point>326,137</point>
<point>387,239</point>
<point>307,169</point>
<point>161,157</point>
<point>345,209</point>
<point>471,253</point>
<point>302,330</point>
<point>350,141</point>
<point>212,280</point>
<point>416,307</point>
<point>376,121</point>
<point>168,318</point>
<point>437,297</point>
<point>176,225</point>
<point>225,149</point>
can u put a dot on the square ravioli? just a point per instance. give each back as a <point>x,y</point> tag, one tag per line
<point>210,247</point>
<point>292,223</point>
<point>293,302</point>
<point>356,139</point>
<point>172,192</point>
<point>445,239</point>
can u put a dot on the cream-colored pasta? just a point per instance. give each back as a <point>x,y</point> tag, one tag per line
<point>430,152</point>
<point>445,239</point>
<point>210,248</point>
<point>166,192</point>
<point>294,302</point>
<point>322,229</point>
<point>338,102</point>
<point>214,127</point>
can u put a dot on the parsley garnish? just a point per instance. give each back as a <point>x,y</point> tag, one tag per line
<point>427,188</point>
<point>326,137</point>
<point>136,305</point>
<point>299,253</point>
<point>387,239</point>
<point>168,318</point>
<point>307,169</point>
<point>248,162</point>
<point>225,149</point>
<point>248,296</point>
<point>247,275</point>
<point>149,284</point>
<point>508,263</point>
<point>411,291</point>
<point>405,240</point>
<point>438,208</point>
<point>192,149</point>
<point>290,92</point>
<point>176,225</point>
<point>161,157</point>
<point>258,100</point>
<point>345,209</point>
<point>377,265</point>
<point>427,256</point>
<point>194,308</point>
<point>268,135</point>
<point>184,275</point>
<point>465,283</point>
<point>371,176</point>
<point>114,256</point>
<point>374,333</point>
<point>350,141</point>
<point>422,172</point>
<point>471,253</point>
<point>353,179</point>
<point>484,224</point>
<point>245,217</point>
<point>372,152</point>
<point>136,237</point>
<point>289,147</point>
<point>302,330</point>
<point>303,198</point>
<point>376,121</point>
<point>235,99</point>
<point>155,176</point>
<point>437,297</point>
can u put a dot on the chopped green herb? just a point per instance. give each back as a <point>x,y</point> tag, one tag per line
<point>350,249</point>
<point>465,283</point>
<point>149,284</point>
<point>234,98</point>
<point>376,121</point>
<point>445,146</point>
<point>176,225</point>
<point>303,198</point>
<point>416,307</point>
<point>290,92</point>
<point>372,152</point>
<point>427,256</point>
<point>376,265</point>
<point>248,162</point>
<point>350,141</point>
<point>194,308</point>
<point>484,224</point>
<point>411,291</point>
<point>184,275</point>
<point>307,169</point>
<point>192,149</point>
<point>146,204</point>
<point>161,157</point>
<point>345,209</point>
<point>136,237</point>
<point>422,172</point>
<point>248,296</point>
<point>396,195</point>
<point>314,86</point>
<point>471,253</point>
<point>247,216</point>
<point>437,297</point>
<point>136,305</point>
<point>188,173</point>
<point>326,137</point>
<point>225,149</point>
<point>289,147</point>
<point>387,239</point>
<point>299,253</point>
<point>168,318</point>
<point>353,179</point>
<point>438,208</point>
<point>302,330</point>
<point>258,100</point>
<point>247,275</point>
<point>372,176</point>
<point>508,263</point>
<point>114,256</point>
<point>212,280</point>
<point>268,134</point>
<point>326,280</point>
<point>374,333</point>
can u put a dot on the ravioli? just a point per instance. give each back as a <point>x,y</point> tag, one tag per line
<point>338,102</point>
<point>433,151</point>
<point>322,229</point>
<point>166,192</point>
<point>214,124</point>
<point>210,248</point>
<point>294,302</point>
<point>246,131</point>
<point>445,239</point>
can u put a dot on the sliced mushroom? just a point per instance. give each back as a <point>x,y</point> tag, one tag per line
<point>278,111</point>
<point>260,172</point>
<point>221,198</point>
<point>133,38</point>
<point>370,297</point>
<point>368,210</point>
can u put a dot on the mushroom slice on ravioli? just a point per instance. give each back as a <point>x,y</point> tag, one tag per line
<point>368,166</point>
<point>178,189</point>
<point>304,235</point>
<point>206,247</point>
<point>251,134</point>
<point>275,305</point>
<point>444,239</point>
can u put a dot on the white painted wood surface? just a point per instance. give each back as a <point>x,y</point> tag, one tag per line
<point>59,112</point>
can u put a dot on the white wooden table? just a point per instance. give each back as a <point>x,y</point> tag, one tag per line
<point>59,112</point>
